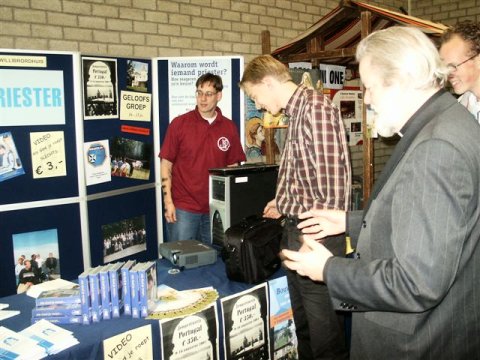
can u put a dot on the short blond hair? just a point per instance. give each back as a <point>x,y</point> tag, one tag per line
<point>264,65</point>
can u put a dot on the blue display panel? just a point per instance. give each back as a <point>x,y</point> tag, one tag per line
<point>37,127</point>
<point>123,227</point>
<point>42,230</point>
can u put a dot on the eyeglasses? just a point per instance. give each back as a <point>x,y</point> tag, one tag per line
<point>452,67</point>
<point>208,94</point>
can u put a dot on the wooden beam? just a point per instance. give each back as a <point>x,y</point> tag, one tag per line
<point>323,55</point>
<point>266,47</point>
<point>269,133</point>
<point>366,18</point>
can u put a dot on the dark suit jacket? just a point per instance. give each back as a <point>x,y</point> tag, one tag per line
<point>415,290</point>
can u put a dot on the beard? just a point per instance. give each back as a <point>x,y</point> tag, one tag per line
<point>385,123</point>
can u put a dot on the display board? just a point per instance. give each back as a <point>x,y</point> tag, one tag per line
<point>37,126</point>
<point>118,126</point>
<point>40,185</point>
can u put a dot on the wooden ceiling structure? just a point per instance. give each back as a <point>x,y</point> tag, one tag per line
<point>333,40</point>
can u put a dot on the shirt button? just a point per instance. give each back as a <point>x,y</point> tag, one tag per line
<point>364,224</point>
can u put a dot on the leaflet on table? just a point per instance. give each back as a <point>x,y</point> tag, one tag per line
<point>5,314</point>
<point>192,337</point>
<point>246,324</point>
<point>172,303</point>
<point>281,320</point>
<point>132,344</point>
<point>20,344</point>
<point>45,331</point>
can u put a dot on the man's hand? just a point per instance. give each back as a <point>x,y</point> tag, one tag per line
<point>309,260</point>
<point>322,223</point>
<point>170,214</point>
<point>270,210</point>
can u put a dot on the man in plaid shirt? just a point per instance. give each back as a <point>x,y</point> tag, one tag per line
<point>314,174</point>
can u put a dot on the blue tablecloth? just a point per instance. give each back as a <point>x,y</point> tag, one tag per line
<point>91,336</point>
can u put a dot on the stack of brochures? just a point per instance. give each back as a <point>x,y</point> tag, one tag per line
<point>108,291</point>
<point>14,345</point>
<point>61,306</point>
<point>51,337</point>
<point>35,342</point>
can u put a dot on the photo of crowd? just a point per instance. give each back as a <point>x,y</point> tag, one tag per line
<point>124,238</point>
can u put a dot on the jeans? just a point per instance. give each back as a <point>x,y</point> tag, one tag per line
<point>190,226</point>
<point>319,328</point>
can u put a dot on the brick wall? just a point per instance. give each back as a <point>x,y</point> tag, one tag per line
<point>447,12</point>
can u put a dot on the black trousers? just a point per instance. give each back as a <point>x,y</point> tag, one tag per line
<point>319,329</point>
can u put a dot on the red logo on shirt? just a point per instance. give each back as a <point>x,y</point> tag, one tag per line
<point>223,143</point>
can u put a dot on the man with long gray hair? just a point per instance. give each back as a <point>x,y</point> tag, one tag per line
<point>413,285</point>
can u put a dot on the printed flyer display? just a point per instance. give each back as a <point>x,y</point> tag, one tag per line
<point>182,75</point>
<point>48,154</point>
<point>192,337</point>
<point>245,322</point>
<point>10,163</point>
<point>132,344</point>
<point>97,162</point>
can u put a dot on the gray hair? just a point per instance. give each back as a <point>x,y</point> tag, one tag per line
<point>400,52</point>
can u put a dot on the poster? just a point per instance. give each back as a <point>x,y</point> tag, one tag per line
<point>284,339</point>
<point>10,162</point>
<point>133,344</point>
<point>97,162</point>
<point>48,154</point>
<point>135,106</point>
<point>31,97</point>
<point>350,103</point>
<point>246,324</point>
<point>184,72</point>
<point>192,337</point>
<point>100,88</point>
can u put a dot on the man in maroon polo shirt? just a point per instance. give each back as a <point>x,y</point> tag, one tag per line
<point>195,142</point>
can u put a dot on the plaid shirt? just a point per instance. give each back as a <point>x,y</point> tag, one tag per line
<point>315,166</point>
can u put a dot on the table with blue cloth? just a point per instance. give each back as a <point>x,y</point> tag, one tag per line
<point>92,336</point>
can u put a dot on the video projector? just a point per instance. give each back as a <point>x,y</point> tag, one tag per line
<point>188,253</point>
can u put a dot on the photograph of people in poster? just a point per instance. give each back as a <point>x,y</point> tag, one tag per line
<point>137,75</point>
<point>100,93</point>
<point>124,238</point>
<point>130,158</point>
<point>246,324</point>
<point>35,257</point>
<point>194,337</point>
<point>10,163</point>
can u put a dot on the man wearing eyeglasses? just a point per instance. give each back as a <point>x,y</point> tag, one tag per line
<point>460,51</point>
<point>195,142</point>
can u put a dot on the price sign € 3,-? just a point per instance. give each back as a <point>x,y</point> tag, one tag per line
<point>48,154</point>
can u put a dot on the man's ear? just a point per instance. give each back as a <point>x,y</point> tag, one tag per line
<point>219,96</point>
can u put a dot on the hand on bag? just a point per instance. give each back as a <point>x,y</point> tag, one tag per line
<point>322,223</point>
<point>309,260</point>
<point>270,210</point>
